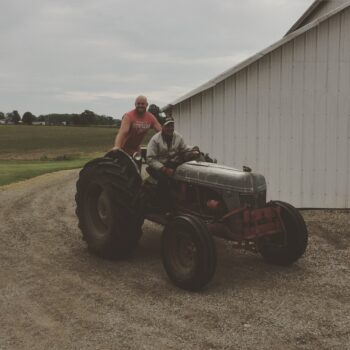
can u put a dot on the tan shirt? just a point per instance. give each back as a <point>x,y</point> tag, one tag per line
<point>158,150</point>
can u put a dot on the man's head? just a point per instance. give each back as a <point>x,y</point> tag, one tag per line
<point>168,126</point>
<point>141,104</point>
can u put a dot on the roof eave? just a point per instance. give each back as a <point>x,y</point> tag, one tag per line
<point>213,82</point>
<point>307,13</point>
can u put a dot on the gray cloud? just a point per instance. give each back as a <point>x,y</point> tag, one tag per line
<point>67,56</point>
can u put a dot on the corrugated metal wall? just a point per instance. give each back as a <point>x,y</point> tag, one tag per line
<point>286,115</point>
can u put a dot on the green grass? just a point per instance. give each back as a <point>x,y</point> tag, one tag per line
<point>34,142</point>
<point>18,170</point>
<point>23,142</point>
<point>28,151</point>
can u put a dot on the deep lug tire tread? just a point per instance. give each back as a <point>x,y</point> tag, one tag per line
<point>122,185</point>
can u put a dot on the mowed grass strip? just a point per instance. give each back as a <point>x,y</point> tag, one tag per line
<point>18,170</point>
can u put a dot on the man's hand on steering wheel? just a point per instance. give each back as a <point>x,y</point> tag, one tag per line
<point>192,154</point>
<point>195,151</point>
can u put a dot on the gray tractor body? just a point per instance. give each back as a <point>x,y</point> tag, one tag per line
<point>236,187</point>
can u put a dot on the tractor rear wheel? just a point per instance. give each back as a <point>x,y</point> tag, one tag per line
<point>188,252</point>
<point>287,247</point>
<point>109,207</point>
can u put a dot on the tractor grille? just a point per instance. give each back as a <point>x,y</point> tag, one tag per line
<point>253,200</point>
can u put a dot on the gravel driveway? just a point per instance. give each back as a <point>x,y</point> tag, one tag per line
<point>55,295</point>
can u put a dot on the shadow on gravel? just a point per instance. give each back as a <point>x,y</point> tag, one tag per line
<point>236,269</point>
<point>334,237</point>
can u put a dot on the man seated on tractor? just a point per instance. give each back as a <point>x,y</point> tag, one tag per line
<point>165,151</point>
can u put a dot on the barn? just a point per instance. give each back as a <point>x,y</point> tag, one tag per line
<point>285,112</point>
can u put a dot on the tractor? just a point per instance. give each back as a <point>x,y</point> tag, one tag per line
<point>204,200</point>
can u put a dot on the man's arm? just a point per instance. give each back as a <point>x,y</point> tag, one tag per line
<point>190,152</point>
<point>156,126</point>
<point>182,145</point>
<point>120,139</point>
<point>152,155</point>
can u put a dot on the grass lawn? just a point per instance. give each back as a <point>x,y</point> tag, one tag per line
<point>18,170</point>
<point>28,151</point>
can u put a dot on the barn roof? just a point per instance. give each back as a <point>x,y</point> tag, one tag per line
<point>317,9</point>
<point>312,9</point>
<point>289,37</point>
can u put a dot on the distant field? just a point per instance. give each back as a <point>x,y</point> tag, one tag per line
<point>28,151</point>
<point>35,142</point>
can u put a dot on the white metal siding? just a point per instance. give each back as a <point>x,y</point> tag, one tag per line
<point>343,154</point>
<point>207,121</point>
<point>218,121</point>
<point>286,115</point>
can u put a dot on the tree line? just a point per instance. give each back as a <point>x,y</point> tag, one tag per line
<point>83,119</point>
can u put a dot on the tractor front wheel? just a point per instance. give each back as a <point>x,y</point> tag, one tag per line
<point>287,247</point>
<point>188,252</point>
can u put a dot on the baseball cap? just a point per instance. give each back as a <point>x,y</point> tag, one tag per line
<point>168,120</point>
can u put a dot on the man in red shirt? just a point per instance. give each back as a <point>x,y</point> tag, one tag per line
<point>134,127</point>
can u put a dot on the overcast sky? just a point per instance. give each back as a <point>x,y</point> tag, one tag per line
<point>68,56</point>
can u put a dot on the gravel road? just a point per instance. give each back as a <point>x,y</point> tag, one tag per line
<point>55,295</point>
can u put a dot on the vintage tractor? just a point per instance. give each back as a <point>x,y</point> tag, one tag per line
<point>204,200</point>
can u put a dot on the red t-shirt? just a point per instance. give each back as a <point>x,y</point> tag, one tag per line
<point>139,125</point>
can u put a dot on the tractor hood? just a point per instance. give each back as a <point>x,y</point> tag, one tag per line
<point>220,177</point>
